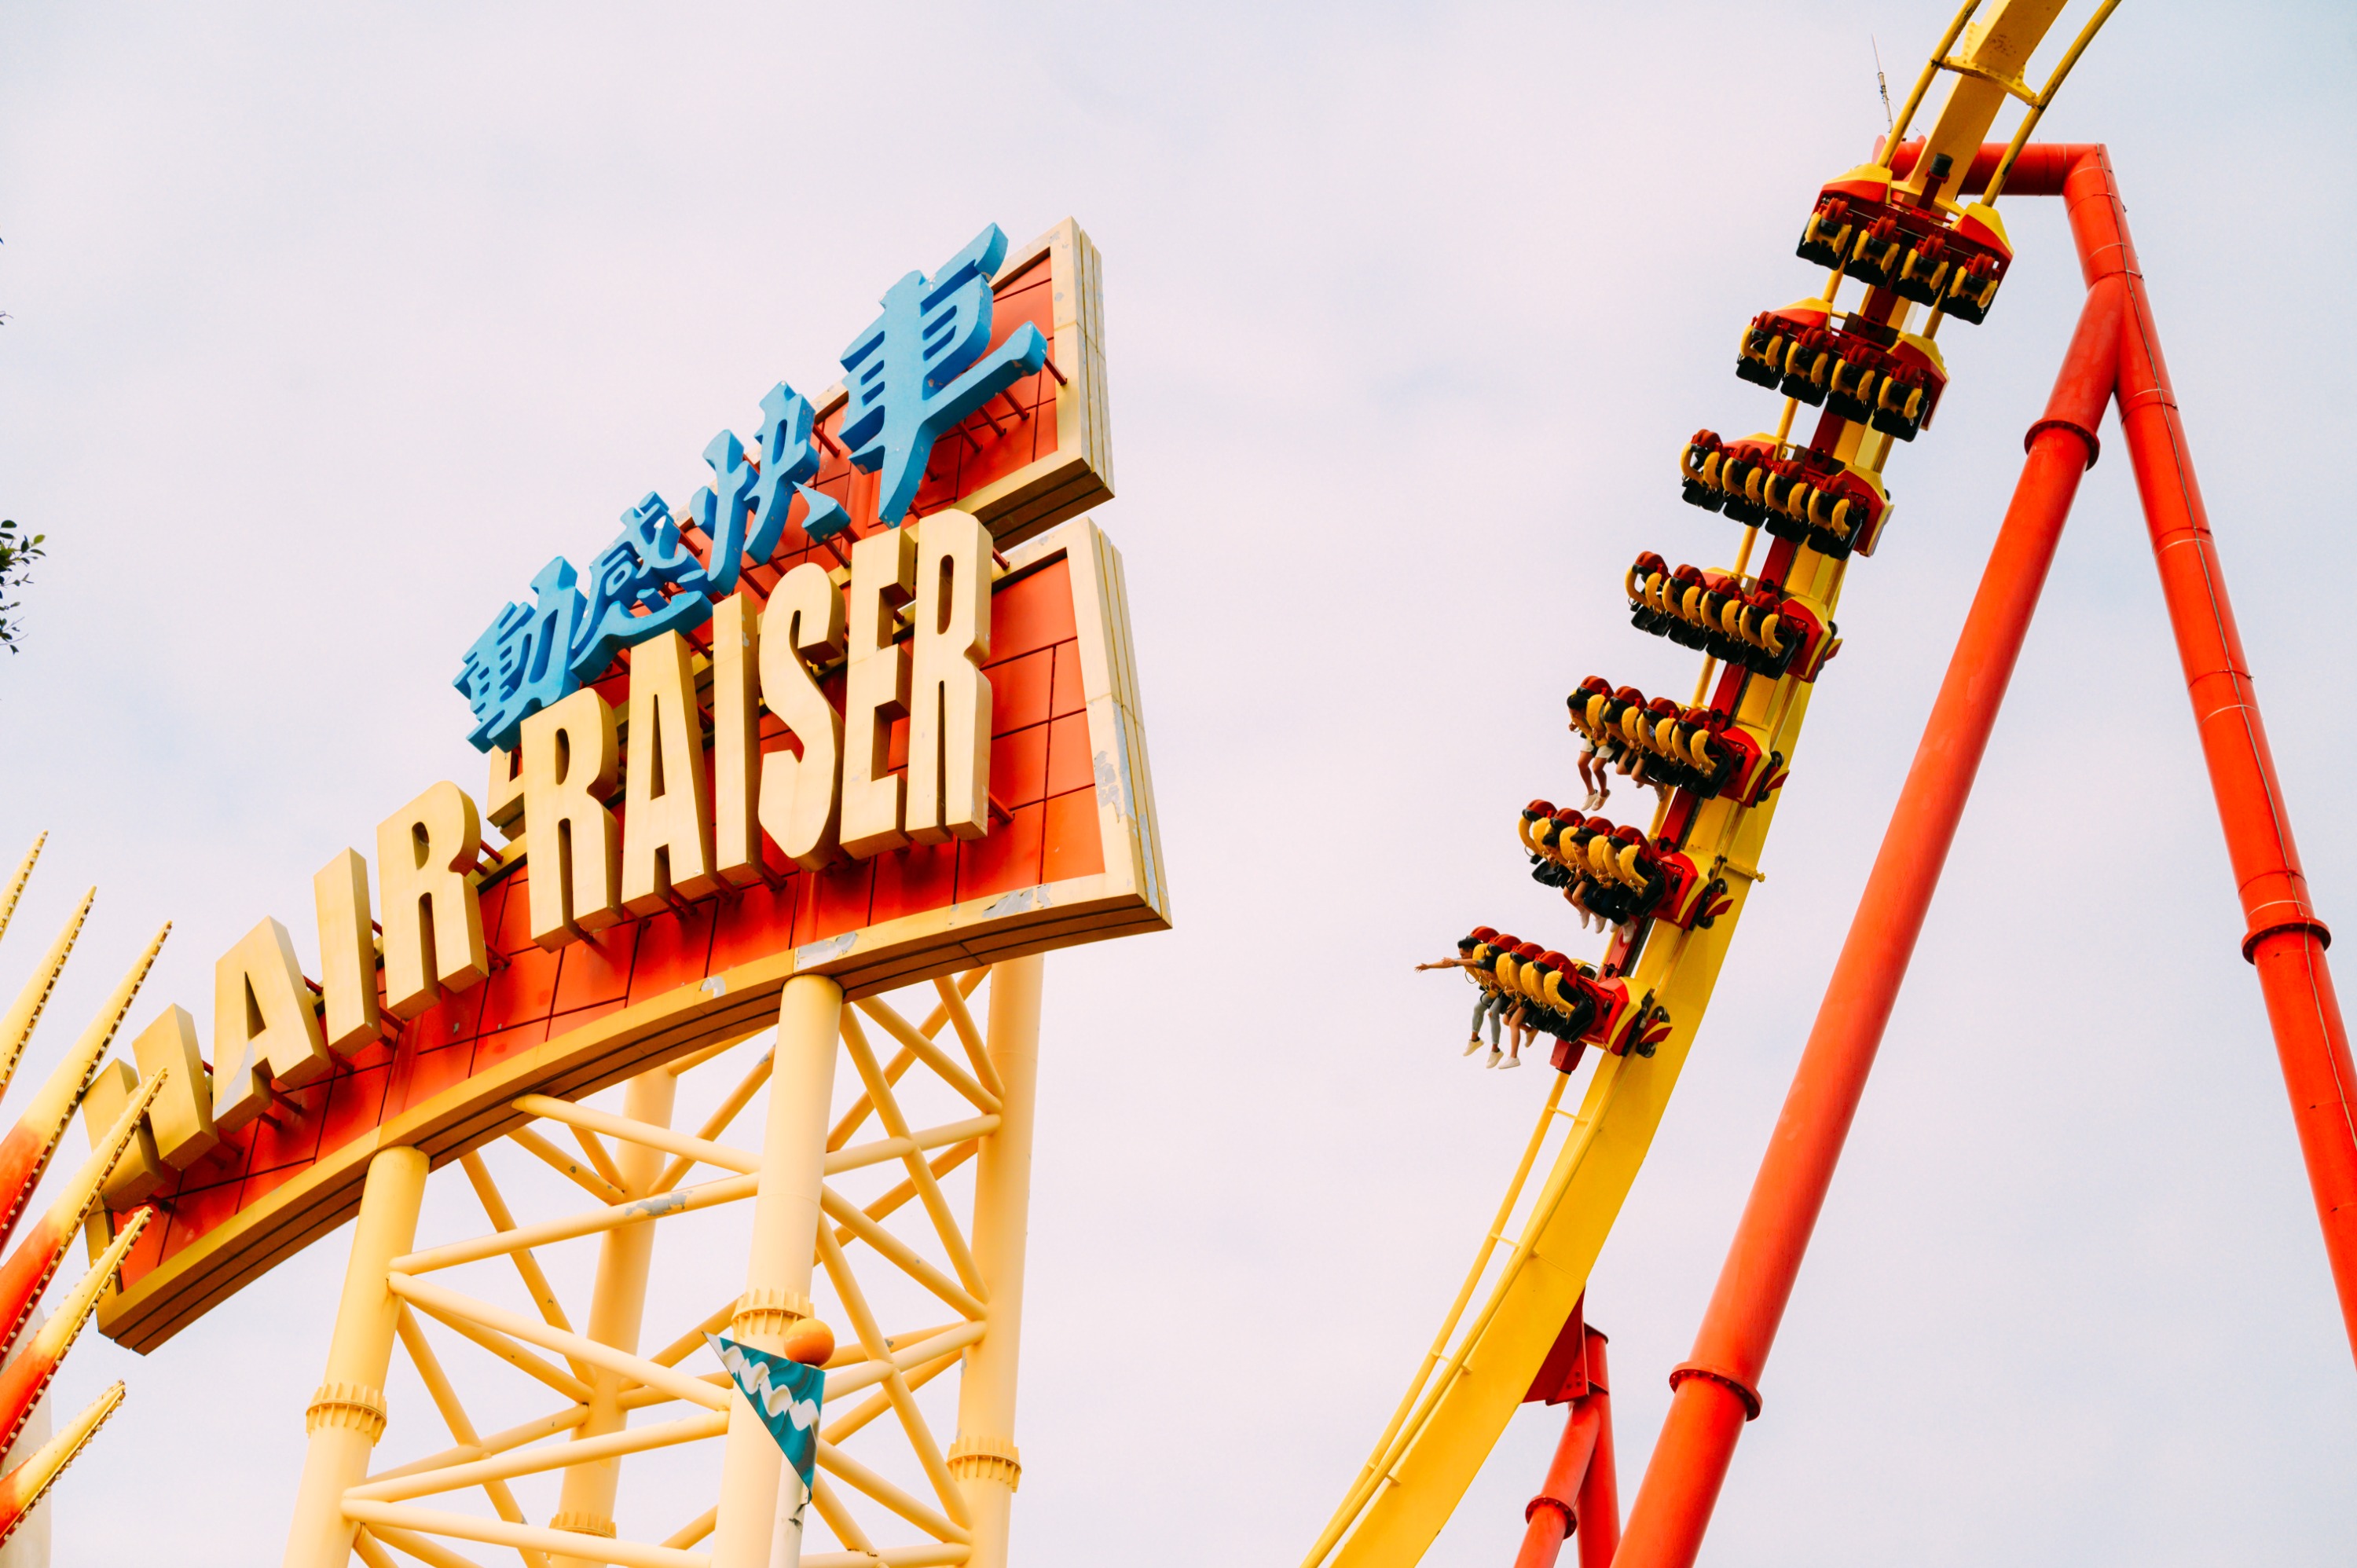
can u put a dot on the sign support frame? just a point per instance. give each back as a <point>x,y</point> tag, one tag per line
<point>785,1235</point>
<point>348,1415</point>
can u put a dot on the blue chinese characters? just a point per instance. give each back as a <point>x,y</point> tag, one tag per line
<point>920,369</point>
<point>535,657</point>
<point>743,511</point>
<point>524,662</point>
<point>628,575</point>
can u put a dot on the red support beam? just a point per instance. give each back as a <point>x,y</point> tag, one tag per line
<point>2282,937</point>
<point>1597,1506</point>
<point>1580,1495</point>
<point>2040,171</point>
<point>1554,1514</point>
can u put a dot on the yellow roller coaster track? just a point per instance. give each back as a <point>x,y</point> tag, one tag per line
<point>1481,1366</point>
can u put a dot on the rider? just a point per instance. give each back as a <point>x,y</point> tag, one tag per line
<point>1476,956</point>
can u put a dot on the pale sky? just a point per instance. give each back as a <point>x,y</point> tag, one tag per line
<point>326,328</point>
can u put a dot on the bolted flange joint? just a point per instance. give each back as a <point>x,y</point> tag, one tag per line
<point>353,1405</point>
<point>972,1458</point>
<point>584,1524</point>
<point>1546,1500</point>
<point>1742,1391</point>
<point>768,1312</point>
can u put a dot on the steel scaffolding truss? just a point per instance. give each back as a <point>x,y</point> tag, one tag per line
<point>897,1219</point>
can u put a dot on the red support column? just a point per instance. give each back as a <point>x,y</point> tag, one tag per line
<point>1717,1392</point>
<point>2283,938</point>
<point>1580,1494</point>
<point>1598,1503</point>
<point>1554,1514</point>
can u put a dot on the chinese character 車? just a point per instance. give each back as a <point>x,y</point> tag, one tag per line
<point>921,367</point>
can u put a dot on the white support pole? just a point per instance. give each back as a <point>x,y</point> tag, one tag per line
<point>346,1415</point>
<point>984,1459</point>
<point>785,1240</point>
<point>786,1528</point>
<point>616,1306</point>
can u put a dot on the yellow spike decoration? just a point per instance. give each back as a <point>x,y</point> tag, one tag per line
<point>52,1106</point>
<point>20,1290</point>
<point>109,1153</point>
<point>79,1196</point>
<point>28,1149</point>
<point>23,1487</point>
<point>56,1336</point>
<point>17,886</point>
<point>17,1027</point>
<point>100,1033</point>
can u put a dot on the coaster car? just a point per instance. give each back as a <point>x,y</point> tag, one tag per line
<point>1919,252</point>
<point>1571,1000</point>
<point>1794,492</point>
<point>1751,624</point>
<point>1622,1026</point>
<point>1695,750</point>
<point>1785,350</point>
<point>1864,372</point>
<point>1554,988</point>
<point>1611,871</point>
<point>1617,872</point>
<point>1562,992</point>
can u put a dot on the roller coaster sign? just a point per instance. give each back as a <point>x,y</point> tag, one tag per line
<point>869,711</point>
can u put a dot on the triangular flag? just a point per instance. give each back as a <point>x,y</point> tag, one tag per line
<point>785,1394</point>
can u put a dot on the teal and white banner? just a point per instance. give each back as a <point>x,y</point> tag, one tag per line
<point>785,1393</point>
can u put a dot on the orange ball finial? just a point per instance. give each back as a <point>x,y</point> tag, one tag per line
<point>810,1342</point>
